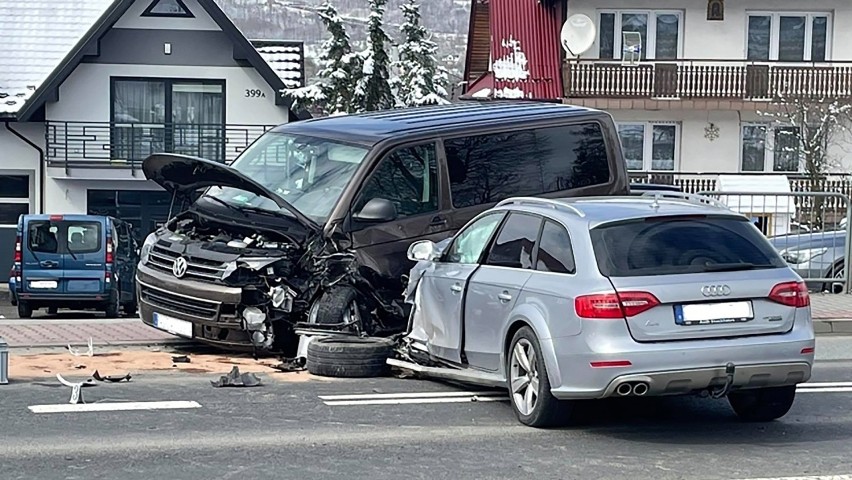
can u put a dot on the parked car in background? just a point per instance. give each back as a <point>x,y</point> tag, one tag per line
<point>814,256</point>
<point>75,261</point>
<point>309,227</point>
<point>588,298</point>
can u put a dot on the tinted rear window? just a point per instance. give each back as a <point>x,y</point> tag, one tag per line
<point>78,237</point>
<point>668,246</point>
<point>83,237</point>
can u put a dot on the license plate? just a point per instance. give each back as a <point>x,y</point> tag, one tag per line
<point>713,313</point>
<point>173,325</point>
<point>43,284</point>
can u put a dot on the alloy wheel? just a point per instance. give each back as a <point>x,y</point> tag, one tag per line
<point>523,377</point>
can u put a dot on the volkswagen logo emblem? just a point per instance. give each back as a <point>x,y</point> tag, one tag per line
<point>179,267</point>
<point>715,290</point>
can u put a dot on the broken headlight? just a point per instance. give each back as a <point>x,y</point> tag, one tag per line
<point>150,240</point>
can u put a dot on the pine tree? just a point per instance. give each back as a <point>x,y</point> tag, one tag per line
<point>340,67</point>
<point>421,80</point>
<point>374,85</point>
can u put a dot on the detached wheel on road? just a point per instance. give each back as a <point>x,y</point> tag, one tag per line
<point>349,356</point>
<point>24,310</point>
<point>529,386</point>
<point>762,404</point>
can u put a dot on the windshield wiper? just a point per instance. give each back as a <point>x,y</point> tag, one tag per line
<point>226,204</point>
<point>732,267</point>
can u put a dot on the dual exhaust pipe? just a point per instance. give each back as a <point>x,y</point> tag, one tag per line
<point>632,388</point>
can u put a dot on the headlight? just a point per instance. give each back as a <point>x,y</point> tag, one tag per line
<point>798,257</point>
<point>150,240</point>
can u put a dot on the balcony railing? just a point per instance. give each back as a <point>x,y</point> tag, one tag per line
<point>707,79</point>
<point>126,145</point>
<point>704,182</point>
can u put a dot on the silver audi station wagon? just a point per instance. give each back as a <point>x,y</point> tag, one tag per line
<point>561,300</point>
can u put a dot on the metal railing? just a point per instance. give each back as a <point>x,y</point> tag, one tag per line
<point>698,182</point>
<point>707,79</point>
<point>125,145</point>
<point>809,229</point>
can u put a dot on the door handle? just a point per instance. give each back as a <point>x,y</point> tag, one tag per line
<point>457,288</point>
<point>438,222</point>
<point>504,297</point>
<point>48,263</point>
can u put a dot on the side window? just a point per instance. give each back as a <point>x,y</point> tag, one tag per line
<point>42,237</point>
<point>515,242</point>
<point>468,245</point>
<point>554,250</point>
<point>489,168</point>
<point>408,177</point>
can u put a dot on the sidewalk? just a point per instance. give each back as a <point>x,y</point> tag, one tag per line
<point>46,332</point>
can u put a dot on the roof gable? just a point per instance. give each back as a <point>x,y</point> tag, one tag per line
<point>83,42</point>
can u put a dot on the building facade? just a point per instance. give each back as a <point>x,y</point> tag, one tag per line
<point>90,88</point>
<point>695,101</point>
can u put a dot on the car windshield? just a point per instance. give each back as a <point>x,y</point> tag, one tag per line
<point>309,172</point>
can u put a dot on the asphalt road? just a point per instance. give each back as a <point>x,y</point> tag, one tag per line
<point>285,430</point>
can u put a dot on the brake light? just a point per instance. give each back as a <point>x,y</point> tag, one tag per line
<point>614,305</point>
<point>56,218</point>
<point>109,250</point>
<point>18,253</point>
<point>792,294</point>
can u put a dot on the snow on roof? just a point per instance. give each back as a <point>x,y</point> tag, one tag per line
<point>37,36</point>
<point>285,58</point>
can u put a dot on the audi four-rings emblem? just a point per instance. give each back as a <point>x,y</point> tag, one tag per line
<point>715,290</point>
<point>179,267</point>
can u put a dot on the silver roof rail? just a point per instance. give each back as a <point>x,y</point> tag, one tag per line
<point>686,197</point>
<point>545,202</point>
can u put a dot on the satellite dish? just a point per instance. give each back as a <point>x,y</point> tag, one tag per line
<point>578,34</point>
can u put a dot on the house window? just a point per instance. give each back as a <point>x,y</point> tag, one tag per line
<point>661,32</point>
<point>14,198</point>
<point>789,37</point>
<point>167,115</point>
<point>780,154</point>
<point>650,146</point>
<point>167,8</point>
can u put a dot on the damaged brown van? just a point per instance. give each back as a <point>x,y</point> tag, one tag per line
<point>309,227</point>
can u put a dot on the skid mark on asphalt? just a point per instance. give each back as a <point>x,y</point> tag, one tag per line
<point>410,398</point>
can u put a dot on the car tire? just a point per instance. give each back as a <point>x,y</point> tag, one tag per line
<point>544,410</point>
<point>338,305</point>
<point>25,310</point>
<point>112,308</point>
<point>349,357</point>
<point>762,404</point>
<point>129,309</point>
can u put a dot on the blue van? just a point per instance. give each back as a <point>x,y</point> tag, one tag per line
<point>80,262</point>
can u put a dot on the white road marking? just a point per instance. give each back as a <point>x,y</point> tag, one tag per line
<point>112,407</point>
<point>409,401</point>
<point>825,390</point>
<point>825,384</point>
<point>374,396</point>
<point>815,477</point>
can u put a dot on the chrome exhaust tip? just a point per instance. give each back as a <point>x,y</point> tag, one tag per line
<point>640,389</point>
<point>623,390</point>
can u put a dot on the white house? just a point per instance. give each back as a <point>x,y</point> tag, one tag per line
<point>89,88</point>
<point>691,105</point>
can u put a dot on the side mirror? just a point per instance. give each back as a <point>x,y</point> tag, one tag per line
<point>377,210</point>
<point>423,250</point>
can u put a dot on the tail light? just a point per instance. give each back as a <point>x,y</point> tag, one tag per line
<point>107,277</point>
<point>614,305</point>
<point>792,294</point>
<point>109,250</point>
<point>18,252</point>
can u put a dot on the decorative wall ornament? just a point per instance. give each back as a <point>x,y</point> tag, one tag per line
<point>716,10</point>
<point>711,132</point>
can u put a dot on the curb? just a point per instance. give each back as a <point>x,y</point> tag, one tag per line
<point>835,325</point>
<point>117,343</point>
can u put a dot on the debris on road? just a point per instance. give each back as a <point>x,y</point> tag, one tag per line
<point>349,356</point>
<point>111,378</point>
<point>180,359</point>
<point>235,379</point>
<point>76,388</point>
<point>76,353</point>
<point>291,365</point>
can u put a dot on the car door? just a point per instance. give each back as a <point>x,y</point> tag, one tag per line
<point>408,178</point>
<point>42,261</point>
<point>441,293</point>
<point>494,289</point>
<point>84,242</point>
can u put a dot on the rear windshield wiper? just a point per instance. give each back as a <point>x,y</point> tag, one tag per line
<point>732,267</point>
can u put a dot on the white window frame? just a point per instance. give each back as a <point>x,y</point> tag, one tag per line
<point>775,32</point>
<point>769,151</point>
<point>651,37</point>
<point>648,144</point>
<point>30,201</point>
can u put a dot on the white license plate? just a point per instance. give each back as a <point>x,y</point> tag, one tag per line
<point>43,284</point>
<point>173,325</point>
<point>708,313</point>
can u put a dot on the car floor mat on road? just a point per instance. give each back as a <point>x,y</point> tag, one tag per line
<point>235,379</point>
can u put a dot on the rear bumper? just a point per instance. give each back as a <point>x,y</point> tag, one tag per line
<point>58,297</point>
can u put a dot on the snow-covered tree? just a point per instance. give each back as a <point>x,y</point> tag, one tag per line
<point>374,85</point>
<point>421,80</point>
<point>340,67</point>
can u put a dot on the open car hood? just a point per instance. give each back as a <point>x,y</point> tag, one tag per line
<point>182,174</point>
